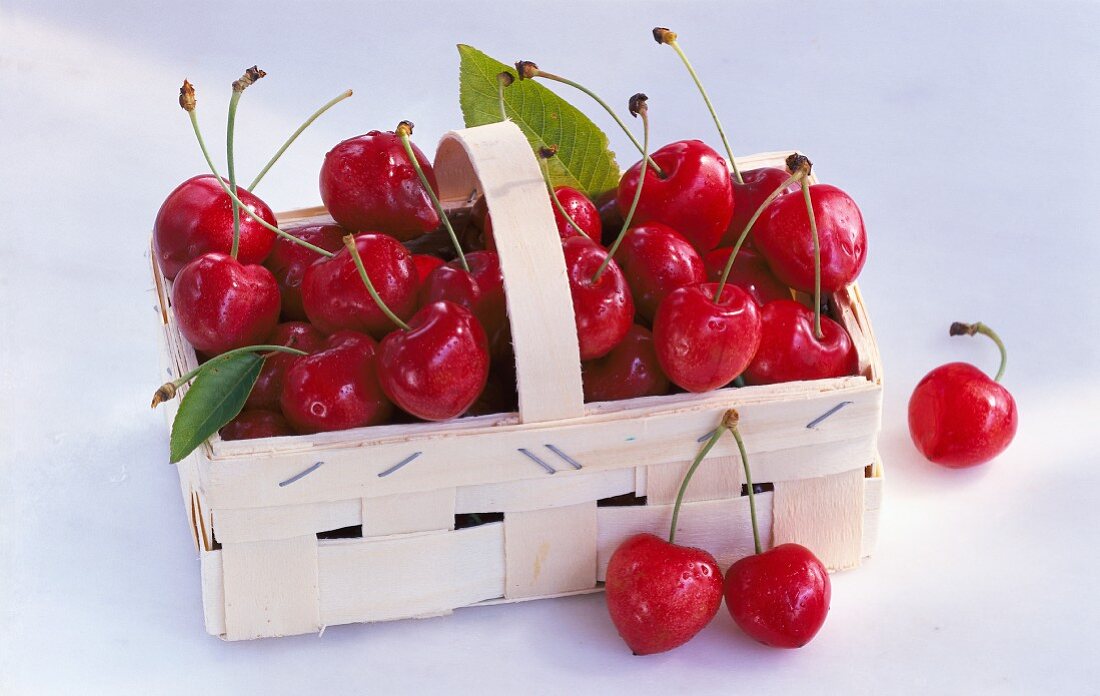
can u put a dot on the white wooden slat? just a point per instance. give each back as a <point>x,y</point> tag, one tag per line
<point>285,521</point>
<point>213,591</point>
<point>550,551</point>
<point>409,512</point>
<point>716,478</point>
<point>552,491</point>
<point>271,587</point>
<point>824,514</point>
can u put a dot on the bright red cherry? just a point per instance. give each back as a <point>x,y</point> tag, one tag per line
<point>789,351</point>
<point>750,272</point>
<point>197,217</point>
<point>368,183</point>
<point>221,304</point>
<point>784,237</point>
<point>579,207</point>
<point>661,595</point>
<point>656,260</point>
<point>335,388</point>
<point>335,298</point>
<point>437,368</point>
<point>759,184</point>
<point>425,264</point>
<point>604,309</point>
<point>779,597</point>
<point>703,344</point>
<point>288,262</point>
<point>695,197</point>
<point>481,290</point>
<point>268,389</point>
<point>251,424</point>
<point>630,370</point>
<point>958,416</point>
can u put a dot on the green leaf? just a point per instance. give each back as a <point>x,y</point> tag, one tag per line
<point>216,396</point>
<point>584,160</point>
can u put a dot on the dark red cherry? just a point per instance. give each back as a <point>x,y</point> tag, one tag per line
<point>604,309</point>
<point>481,290</point>
<point>702,344</point>
<point>336,387</point>
<point>437,368</point>
<point>611,219</point>
<point>221,304</point>
<point>251,424</point>
<point>750,272</point>
<point>695,197</point>
<point>288,262</point>
<point>789,351</point>
<point>784,237</point>
<point>759,184</point>
<point>579,207</point>
<point>268,389</point>
<point>197,217</point>
<point>425,264</point>
<point>656,260</point>
<point>368,183</point>
<point>630,370</point>
<point>779,597</point>
<point>335,298</point>
<point>499,395</point>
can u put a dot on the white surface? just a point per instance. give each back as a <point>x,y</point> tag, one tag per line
<point>967,132</point>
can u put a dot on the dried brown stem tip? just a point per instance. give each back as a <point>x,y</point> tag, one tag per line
<point>638,104</point>
<point>960,328</point>
<point>506,78</point>
<point>187,96</point>
<point>164,393</point>
<point>526,69</point>
<point>730,419</point>
<point>663,35</point>
<point>250,75</point>
<point>799,163</point>
<point>548,151</point>
<point>404,129</point>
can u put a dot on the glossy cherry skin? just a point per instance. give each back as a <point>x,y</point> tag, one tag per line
<point>604,310</point>
<point>703,344</point>
<point>611,219</point>
<point>481,290</point>
<point>661,595</point>
<point>268,389</point>
<point>579,207</point>
<point>779,597</point>
<point>630,370</point>
<point>335,297</point>
<point>789,351</point>
<point>288,262</point>
<point>425,264</point>
<point>784,237</point>
<point>759,184</point>
<point>750,272</point>
<point>197,217</point>
<point>368,183</point>
<point>438,368</point>
<point>336,387</point>
<point>221,304</point>
<point>251,424</point>
<point>695,198</point>
<point>959,417</point>
<point>656,260</point>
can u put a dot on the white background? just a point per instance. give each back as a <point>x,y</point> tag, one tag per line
<point>966,131</point>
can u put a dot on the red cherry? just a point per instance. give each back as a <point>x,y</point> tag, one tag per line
<point>221,304</point>
<point>611,218</point>
<point>703,344</point>
<point>789,351</point>
<point>251,424</point>
<point>337,387</point>
<point>783,236</point>
<point>631,369</point>
<point>481,290</point>
<point>656,260</point>
<point>779,597</point>
<point>436,369</point>
<point>579,207</point>
<point>288,262</point>
<point>695,196</point>
<point>958,416</point>
<point>661,595</point>
<point>335,298</point>
<point>604,309</point>
<point>499,394</point>
<point>197,217</point>
<point>759,184</point>
<point>269,385</point>
<point>368,183</point>
<point>750,272</point>
<point>425,264</point>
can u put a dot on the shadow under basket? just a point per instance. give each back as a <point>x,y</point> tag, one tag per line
<point>416,520</point>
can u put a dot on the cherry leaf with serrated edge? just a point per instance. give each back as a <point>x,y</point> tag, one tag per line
<point>216,396</point>
<point>584,161</point>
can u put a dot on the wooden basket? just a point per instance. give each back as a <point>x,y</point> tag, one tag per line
<point>256,506</point>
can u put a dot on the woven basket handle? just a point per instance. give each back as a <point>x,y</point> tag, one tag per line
<point>497,160</point>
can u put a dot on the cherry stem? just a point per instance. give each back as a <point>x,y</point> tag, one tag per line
<point>545,167</point>
<point>504,79</point>
<point>732,426</point>
<point>795,177</point>
<point>714,437</point>
<point>349,242</point>
<point>639,107</point>
<point>233,171</point>
<point>963,329</point>
<point>817,258</point>
<point>403,130</point>
<point>294,136</point>
<point>168,389</point>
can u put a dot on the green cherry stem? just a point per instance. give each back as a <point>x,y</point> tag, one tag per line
<point>963,329</point>
<point>714,437</point>
<point>817,257</point>
<point>250,75</point>
<point>545,153</point>
<point>638,108</point>
<point>731,421</point>
<point>349,242</point>
<point>504,79</point>
<point>294,136</point>
<point>404,130</point>
<point>167,390</point>
<point>664,36</point>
